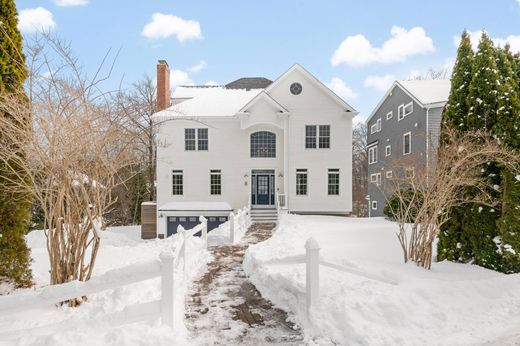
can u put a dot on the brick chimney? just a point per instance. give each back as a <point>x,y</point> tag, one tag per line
<point>163,85</point>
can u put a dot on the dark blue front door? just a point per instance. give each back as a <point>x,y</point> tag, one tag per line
<point>262,189</point>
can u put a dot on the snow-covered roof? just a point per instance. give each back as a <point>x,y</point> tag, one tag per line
<point>428,91</point>
<point>204,101</point>
<point>196,206</point>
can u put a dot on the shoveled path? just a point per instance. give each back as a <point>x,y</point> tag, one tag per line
<point>224,308</point>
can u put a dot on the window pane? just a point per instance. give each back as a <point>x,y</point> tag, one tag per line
<point>215,182</point>
<point>310,136</point>
<point>177,183</point>
<point>333,186</point>
<point>202,141</point>
<point>189,139</point>
<point>263,144</point>
<point>301,183</point>
<point>324,136</point>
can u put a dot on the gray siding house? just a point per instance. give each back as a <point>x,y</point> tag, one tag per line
<point>403,127</point>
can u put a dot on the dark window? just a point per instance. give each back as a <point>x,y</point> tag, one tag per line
<point>296,88</point>
<point>189,139</point>
<point>301,181</point>
<point>193,219</point>
<point>407,143</point>
<point>177,183</point>
<point>215,182</point>
<point>212,219</point>
<point>202,139</point>
<point>310,136</point>
<point>222,219</point>
<point>263,144</point>
<point>324,136</point>
<point>333,188</point>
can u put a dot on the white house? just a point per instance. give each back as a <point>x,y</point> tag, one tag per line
<point>286,143</point>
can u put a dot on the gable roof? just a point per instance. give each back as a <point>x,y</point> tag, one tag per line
<point>427,93</point>
<point>320,85</point>
<point>218,101</point>
<point>249,83</point>
<point>264,96</point>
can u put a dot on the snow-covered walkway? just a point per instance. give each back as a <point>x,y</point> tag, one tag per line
<point>224,308</point>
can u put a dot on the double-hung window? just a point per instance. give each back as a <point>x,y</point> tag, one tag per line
<point>317,136</point>
<point>388,150</point>
<point>301,182</point>
<point>196,139</point>
<point>376,127</point>
<point>215,182</point>
<point>372,154</point>
<point>407,143</point>
<point>177,182</point>
<point>333,182</point>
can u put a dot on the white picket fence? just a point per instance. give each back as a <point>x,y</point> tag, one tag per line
<point>312,262</point>
<point>239,223</point>
<point>164,307</point>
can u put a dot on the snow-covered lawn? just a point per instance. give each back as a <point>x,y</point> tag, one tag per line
<point>451,304</point>
<point>120,247</point>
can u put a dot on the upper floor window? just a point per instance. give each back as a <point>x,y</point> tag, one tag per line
<point>407,143</point>
<point>404,110</point>
<point>177,183</point>
<point>389,115</point>
<point>196,139</point>
<point>376,127</point>
<point>333,182</point>
<point>263,144</point>
<point>317,136</point>
<point>215,182</point>
<point>388,150</point>
<point>301,181</point>
<point>372,154</point>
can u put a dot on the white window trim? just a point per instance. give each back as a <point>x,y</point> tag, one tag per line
<point>374,205</point>
<point>389,174</point>
<point>373,178</point>
<point>379,179</point>
<point>403,114</point>
<point>388,150</point>
<point>389,115</point>
<point>374,149</point>
<point>373,128</point>
<point>404,146</point>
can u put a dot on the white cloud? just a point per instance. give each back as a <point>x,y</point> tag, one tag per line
<point>211,83</point>
<point>166,25</point>
<point>70,3</point>
<point>199,67</point>
<point>179,77</point>
<point>381,83</point>
<point>35,19</point>
<point>474,36</point>
<point>341,89</point>
<point>358,51</point>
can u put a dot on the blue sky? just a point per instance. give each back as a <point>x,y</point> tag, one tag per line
<point>356,47</point>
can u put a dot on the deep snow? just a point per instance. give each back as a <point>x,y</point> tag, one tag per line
<point>120,247</point>
<point>451,304</point>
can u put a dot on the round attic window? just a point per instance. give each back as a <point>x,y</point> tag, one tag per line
<point>296,88</point>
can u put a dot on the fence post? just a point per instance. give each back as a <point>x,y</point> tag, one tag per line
<point>183,234</point>
<point>312,287</point>
<point>204,232</point>
<point>232,228</point>
<point>167,294</point>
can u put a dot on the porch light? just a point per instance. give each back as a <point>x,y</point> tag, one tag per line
<point>280,175</point>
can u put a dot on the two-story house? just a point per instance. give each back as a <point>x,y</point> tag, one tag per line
<point>403,127</point>
<point>253,142</point>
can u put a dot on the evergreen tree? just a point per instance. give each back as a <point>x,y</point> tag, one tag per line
<point>14,207</point>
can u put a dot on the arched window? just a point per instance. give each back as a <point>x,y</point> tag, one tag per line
<point>263,144</point>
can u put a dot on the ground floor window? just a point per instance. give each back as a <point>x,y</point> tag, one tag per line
<point>215,178</point>
<point>333,182</point>
<point>374,205</point>
<point>177,183</point>
<point>301,181</point>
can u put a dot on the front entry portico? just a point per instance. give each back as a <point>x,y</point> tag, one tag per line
<point>262,187</point>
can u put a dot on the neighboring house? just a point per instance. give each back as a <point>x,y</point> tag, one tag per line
<point>285,143</point>
<point>403,128</point>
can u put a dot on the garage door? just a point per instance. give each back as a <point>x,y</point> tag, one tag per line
<point>215,221</point>
<point>188,222</point>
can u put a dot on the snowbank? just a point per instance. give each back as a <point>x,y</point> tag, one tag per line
<point>450,304</point>
<point>120,247</point>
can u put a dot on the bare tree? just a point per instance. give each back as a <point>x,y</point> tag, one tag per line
<point>432,74</point>
<point>426,197</point>
<point>359,170</point>
<point>69,159</point>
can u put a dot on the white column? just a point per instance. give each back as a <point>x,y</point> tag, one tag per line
<point>286,160</point>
